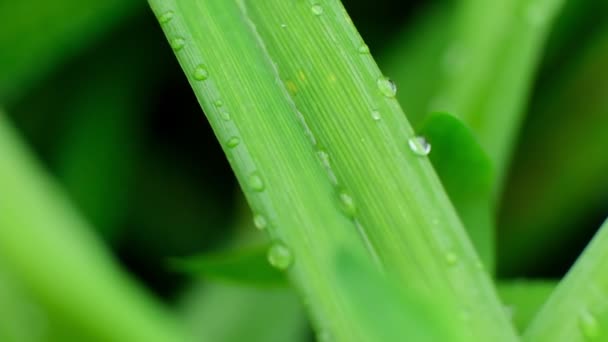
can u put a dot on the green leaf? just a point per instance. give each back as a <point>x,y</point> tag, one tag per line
<point>263,138</point>
<point>467,176</point>
<point>245,266</point>
<point>310,98</point>
<point>49,248</point>
<point>578,308</point>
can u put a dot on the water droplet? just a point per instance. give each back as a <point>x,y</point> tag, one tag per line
<point>376,115</point>
<point>233,142</point>
<point>165,17</point>
<point>451,259</point>
<point>420,146</point>
<point>280,256</point>
<point>363,49</point>
<point>256,183</point>
<point>317,9</point>
<point>348,204</point>
<point>225,116</point>
<point>218,103</point>
<point>387,87</point>
<point>177,43</point>
<point>283,26</point>
<point>589,325</point>
<point>201,73</point>
<point>260,222</point>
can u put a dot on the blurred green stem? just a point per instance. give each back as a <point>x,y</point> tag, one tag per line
<point>53,252</point>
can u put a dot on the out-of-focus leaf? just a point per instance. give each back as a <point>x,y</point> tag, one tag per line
<point>467,176</point>
<point>415,58</point>
<point>524,298</point>
<point>244,266</point>
<point>392,313</point>
<point>50,249</point>
<point>37,35</point>
<point>559,175</point>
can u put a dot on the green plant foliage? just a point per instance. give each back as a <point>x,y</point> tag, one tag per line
<point>467,175</point>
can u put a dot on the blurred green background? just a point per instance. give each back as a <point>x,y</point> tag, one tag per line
<point>95,92</point>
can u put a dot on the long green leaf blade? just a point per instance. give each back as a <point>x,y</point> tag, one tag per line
<point>63,265</point>
<point>264,140</point>
<point>375,162</point>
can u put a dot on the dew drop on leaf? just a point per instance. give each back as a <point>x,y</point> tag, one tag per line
<point>451,258</point>
<point>419,146</point>
<point>376,115</point>
<point>233,142</point>
<point>200,73</point>
<point>363,49</point>
<point>347,204</point>
<point>165,17</point>
<point>260,222</point>
<point>256,183</point>
<point>317,9</point>
<point>387,87</point>
<point>177,43</point>
<point>280,256</point>
<point>225,116</point>
<point>589,325</point>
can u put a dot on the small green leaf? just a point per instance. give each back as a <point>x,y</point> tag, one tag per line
<point>246,266</point>
<point>467,175</point>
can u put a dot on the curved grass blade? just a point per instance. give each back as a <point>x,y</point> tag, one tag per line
<point>377,165</point>
<point>264,140</point>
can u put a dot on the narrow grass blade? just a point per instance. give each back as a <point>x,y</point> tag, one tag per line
<point>387,189</point>
<point>264,140</point>
<point>376,164</point>
<point>50,249</point>
<point>524,298</point>
<point>578,308</point>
